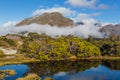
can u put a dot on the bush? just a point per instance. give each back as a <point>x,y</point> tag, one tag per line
<point>46,48</point>
<point>108,46</point>
<point>7,42</point>
<point>1,54</point>
<point>10,42</point>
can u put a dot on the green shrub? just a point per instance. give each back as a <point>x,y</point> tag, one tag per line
<point>1,54</point>
<point>45,48</point>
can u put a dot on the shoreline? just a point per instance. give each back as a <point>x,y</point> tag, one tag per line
<point>21,59</point>
<point>101,58</point>
<point>18,59</point>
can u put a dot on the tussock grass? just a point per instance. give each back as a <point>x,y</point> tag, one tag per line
<point>31,76</point>
<point>4,73</point>
<point>18,58</point>
<point>48,78</point>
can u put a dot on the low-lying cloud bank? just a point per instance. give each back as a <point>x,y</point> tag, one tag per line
<point>83,31</point>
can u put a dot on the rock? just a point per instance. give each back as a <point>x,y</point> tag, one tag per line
<point>8,50</point>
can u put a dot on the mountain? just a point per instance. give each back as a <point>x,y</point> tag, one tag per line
<point>111,30</point>
<point>57,19</point>
<point>53,19</point>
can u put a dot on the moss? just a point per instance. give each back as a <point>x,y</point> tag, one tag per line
<point>31,76</point>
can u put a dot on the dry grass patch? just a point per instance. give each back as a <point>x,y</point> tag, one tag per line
<point>4,73</point>
<point>30,77</point>
<point>10,72</point>
<point>48,78</point>
<point>18,58</point>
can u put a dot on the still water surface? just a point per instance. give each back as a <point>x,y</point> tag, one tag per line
<point>68,70</point>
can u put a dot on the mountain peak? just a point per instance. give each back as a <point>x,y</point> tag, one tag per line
<point>53,19</point>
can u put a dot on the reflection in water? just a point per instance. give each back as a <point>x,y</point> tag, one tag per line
<point>50,68</point>
<point>100,73</point>
<point>112,64</point>
<point>69,70</point>
<point>78,70</point>
<point>20,69</point>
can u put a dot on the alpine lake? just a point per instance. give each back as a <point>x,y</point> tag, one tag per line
<point>68,70</point>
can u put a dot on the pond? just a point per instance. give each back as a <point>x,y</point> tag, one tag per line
<point>20,69</point>
<point>69,70</point>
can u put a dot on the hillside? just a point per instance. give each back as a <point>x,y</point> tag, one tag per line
<point>111,30</point>
<point>53,19</point>
<point>43,47</point>
<point>57,19</point>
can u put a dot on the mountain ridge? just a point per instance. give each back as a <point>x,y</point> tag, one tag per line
<point>57,19</point>
<point>111,30</point>
<point>53,19</point>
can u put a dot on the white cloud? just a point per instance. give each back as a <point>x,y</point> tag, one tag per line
<point>83,3</point>
<point>77,17</point>
<point>7,27</point>
<point>87,4</point>
<point>102,6</point>
<point>64,11</point>
<point>86,18</point>
<point>80,31</point>
<point>10,23</point>
<point>107,23</point>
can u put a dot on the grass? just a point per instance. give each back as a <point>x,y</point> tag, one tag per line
<point>10,72</point>
<point>4,73</point>
<point>30,77</point>
<point>18,58</point>
<point>102,58</point>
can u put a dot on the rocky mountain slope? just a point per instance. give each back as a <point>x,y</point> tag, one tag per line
<point>57,19</point>
<point>111,30</point>
<point>53,19</point>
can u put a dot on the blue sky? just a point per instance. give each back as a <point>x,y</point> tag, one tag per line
<point>105,10</point>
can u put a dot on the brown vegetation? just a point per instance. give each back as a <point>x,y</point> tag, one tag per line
<point>30,77</point>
